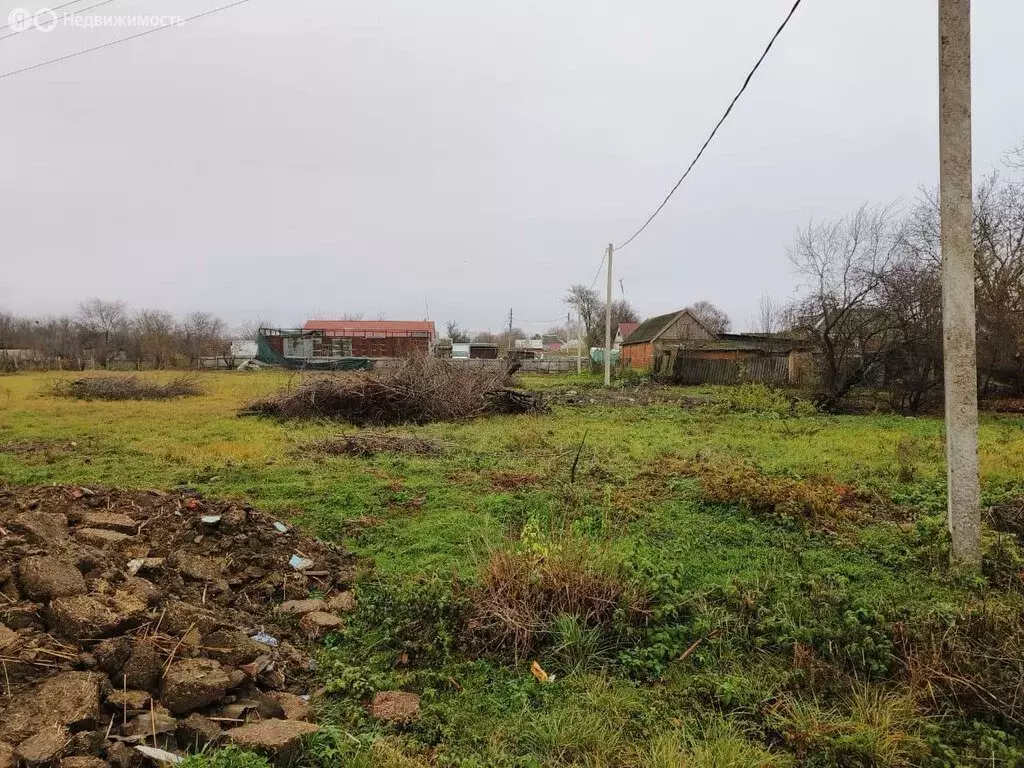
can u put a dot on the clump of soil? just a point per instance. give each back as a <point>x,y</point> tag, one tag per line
<point>151,620</point>
<point>370,444</point>
<point>418,390</point>
<point>124,388</point>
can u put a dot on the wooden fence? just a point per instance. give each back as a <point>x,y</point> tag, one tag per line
<point>680,369</point>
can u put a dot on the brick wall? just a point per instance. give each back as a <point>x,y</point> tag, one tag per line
<point>637,356</point>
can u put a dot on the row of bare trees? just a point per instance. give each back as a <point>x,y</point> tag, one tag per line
<point>870,297</point>
<point>102,333</point>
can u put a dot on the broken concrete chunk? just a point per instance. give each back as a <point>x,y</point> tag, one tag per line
<point>295,707</point>
<point>198,568</point>
<point>232,647</point>
<point>157,721</point>
<point>277,738</point>
<point>144,590</point>
<point>83,761</point>
<point>344,602</point>
<point>8,637</point>
<point>112,654</point>
<point>143,564</point>
<point>42,529</point>
<point>70,699</point>
<point>193,683</point>
<point>111,521</point>
<point>44,747</point>
<point>43,578</point>
<point>131,699</point>
<point>99,537</point>
<point>301,607</point>
<point>81,617</point>
<point>396,707</point>
<point>159,755</point>
<point>196,732</point>
<point>143,668</point>
<point>180,617</point>
<point>319,623</point>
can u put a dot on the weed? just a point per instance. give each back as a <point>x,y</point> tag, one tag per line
<point>730,482</point>
<point>228,757</point>
<point>522,594</point>
<point>714,744</point>
<point>761,400</point>
<point>908,454</point>
<point>873,726</point>
<point>575,647</point>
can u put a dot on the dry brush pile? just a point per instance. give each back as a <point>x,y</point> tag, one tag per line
<point>124,388</point>
<point>419,390</point>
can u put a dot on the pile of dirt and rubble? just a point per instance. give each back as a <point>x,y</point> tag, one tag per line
<point>140,621</point>
<point>418,390</point>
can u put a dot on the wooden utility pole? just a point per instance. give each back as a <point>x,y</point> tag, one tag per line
<point>510,342</point>
<point>608,323</point>
<point>960,360</point>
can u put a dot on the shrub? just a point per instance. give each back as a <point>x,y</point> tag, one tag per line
<point>730,482</point>
<point>968,661</point>
<point>763,401</point>
<point>873,726</point>
<point>523,595</point>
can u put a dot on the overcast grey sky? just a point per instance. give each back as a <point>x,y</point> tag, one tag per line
<point>280,160</point>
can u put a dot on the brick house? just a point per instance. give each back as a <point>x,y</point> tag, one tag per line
<point>370,338</point>
<point>659,336</point>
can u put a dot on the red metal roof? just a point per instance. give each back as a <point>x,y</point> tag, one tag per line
<point>370,327</point>
<point>627,328</point>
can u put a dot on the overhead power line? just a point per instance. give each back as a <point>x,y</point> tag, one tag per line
<point>122,39</point>
<point>736,98</point>
<point>599,268</point>
<point>77,12</point>
<point>55,8</point>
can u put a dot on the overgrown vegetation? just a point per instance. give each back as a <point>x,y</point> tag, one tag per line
<point>740,582</point>
<point>125,388</point>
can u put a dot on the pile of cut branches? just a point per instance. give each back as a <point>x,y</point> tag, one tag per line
<point>124,388</point>
<point>418,390</point>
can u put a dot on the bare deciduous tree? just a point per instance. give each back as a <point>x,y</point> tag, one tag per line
<point>155,334</point>
<point>204,336</point>
<point>717,320</point>
<point>844,265</point>
<point>105,324</point>
<point>589,308</point>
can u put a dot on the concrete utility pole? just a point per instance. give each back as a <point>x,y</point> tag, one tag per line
<point>510,343</point>
<point>958,317</point>
<point>608,324</point>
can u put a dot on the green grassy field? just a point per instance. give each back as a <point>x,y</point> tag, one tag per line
<point>771,634</point>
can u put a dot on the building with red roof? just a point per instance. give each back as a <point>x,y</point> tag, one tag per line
<point>372,338</point>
